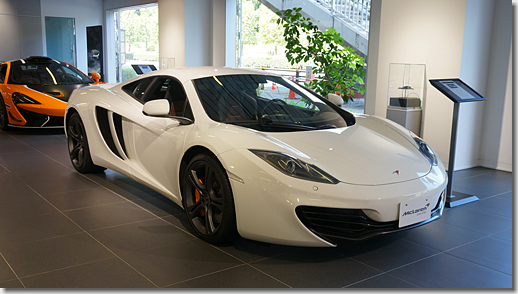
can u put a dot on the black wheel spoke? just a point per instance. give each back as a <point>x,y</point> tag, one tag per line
<point>195,209</point>
<point>209,222</point>
<point>209,179</point>
<point>74,153</point>
<point>195,181</point>
<point>219,206</point>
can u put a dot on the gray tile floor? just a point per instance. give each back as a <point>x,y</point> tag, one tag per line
<point>61,229</point>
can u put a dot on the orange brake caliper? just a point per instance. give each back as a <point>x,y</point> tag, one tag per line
<point>197,198</point>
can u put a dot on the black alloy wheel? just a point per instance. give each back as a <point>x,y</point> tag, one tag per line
<point>208,200</point>
<point>78,146</point>
<point>4,120</point>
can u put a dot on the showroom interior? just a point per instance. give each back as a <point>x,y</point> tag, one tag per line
<point>62,229</point>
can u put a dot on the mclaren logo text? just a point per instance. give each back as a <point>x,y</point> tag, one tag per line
<point>418,210</point>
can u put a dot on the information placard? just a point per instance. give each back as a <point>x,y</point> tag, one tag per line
<point>456,90</point>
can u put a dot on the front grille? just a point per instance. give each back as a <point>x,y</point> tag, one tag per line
<point>351,224</point>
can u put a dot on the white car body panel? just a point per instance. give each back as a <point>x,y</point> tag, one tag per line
<point>363,157</point>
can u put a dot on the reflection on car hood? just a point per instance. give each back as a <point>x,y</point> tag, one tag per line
<point>368,153</point>
<point>61,92</point>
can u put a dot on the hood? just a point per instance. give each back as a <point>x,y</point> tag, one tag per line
<point>368,153</point>
<point>61,92</point>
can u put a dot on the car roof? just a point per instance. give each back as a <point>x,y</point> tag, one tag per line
<point>185,74</point>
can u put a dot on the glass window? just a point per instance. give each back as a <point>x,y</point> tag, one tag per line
<point>170,89</point>
<point>3,72</point>
<point>138,88</point>
<point>267,103</point>
<point>46,73</point>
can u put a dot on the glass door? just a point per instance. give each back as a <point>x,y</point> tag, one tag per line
<point>61,38</point>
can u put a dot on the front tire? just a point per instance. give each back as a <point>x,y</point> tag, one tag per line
<point>78,146</point>
<point>208,201</point>
<point>4,120</point>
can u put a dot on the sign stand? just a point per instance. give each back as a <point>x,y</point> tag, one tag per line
<point>457,91</point>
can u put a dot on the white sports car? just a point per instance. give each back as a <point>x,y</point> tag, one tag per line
<point>251,154</point>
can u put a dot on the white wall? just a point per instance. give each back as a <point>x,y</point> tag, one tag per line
<point>474,72</point>
<point>171,36</point>
<point>86,14</point>
<point>496,150</point>
<point>198,32</point>
<point>423,32</point>
<point>21,29</point>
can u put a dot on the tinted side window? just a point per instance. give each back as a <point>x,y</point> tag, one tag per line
<point>3,72</point>
<point>138,88</point>
<point>171,89</point>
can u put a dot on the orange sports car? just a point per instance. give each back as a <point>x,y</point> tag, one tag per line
<point>35,90</point>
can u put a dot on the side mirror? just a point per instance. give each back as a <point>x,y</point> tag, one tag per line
<point>96,77</point>
<point>335,99</point>
<point>160,108</point>
<point>156,108</point>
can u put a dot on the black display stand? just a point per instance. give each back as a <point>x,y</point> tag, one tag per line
<point>458,92</point>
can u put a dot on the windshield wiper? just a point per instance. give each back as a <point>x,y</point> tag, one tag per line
<point>267,122</point>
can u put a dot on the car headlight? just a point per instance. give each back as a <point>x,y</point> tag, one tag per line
<point>21,98</point>
<point>425,150</point>
<point>294,167</point>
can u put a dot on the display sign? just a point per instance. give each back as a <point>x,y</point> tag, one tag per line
<point>414,211</point>
<point>456,90</point>
<point>143,68</point>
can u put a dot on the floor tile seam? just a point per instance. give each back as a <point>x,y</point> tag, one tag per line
<point>10,267</point>
<point>285,284</point>
<point>120,225</point>
<point>490,212</point>
<point>473,176</point>
<point>471,230</point>
<point>403,280</point>
<point>377,275</point>
<point>65,192</point>
<point>496,195</point>
<point>415,261</point>
<point>42,153</point>
<point>163,246</point>
<point>47,239</point>
<point>272,256</point>
<point>6,168</point>
<point>93,206</point>
<point>109,250</point>
<point>479,264</point>
<point>68,267</point>
<point>204,275</point>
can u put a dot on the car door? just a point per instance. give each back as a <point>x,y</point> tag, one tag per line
<point>157,142</point>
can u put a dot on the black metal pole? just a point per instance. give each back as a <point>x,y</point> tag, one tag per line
<point>453,143</point>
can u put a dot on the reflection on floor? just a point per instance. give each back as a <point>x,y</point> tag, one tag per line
<point>60,229</point>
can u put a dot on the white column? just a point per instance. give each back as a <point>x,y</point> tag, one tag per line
<point>171,21</point>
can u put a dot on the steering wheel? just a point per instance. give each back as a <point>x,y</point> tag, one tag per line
<point>276,101</point>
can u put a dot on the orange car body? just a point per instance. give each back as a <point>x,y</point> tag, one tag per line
<point>35,90</point>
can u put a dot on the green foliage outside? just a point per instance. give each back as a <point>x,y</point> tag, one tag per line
<point>260,25</point>
<point>128,73</point>
<point>141,26</point>
<point>341,70</point>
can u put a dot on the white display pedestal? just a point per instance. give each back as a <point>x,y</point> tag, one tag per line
<point>408,118</point>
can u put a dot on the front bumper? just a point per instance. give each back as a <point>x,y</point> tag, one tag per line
<point>267,201</point>
<point>333,224</point>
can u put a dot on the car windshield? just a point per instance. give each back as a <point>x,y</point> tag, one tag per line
<point>48,73</point>
<point>266,103</point>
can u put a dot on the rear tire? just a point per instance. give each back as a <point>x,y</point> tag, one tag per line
<point>4,119</point>
<point>78,146</point>
<point>208,201</point>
